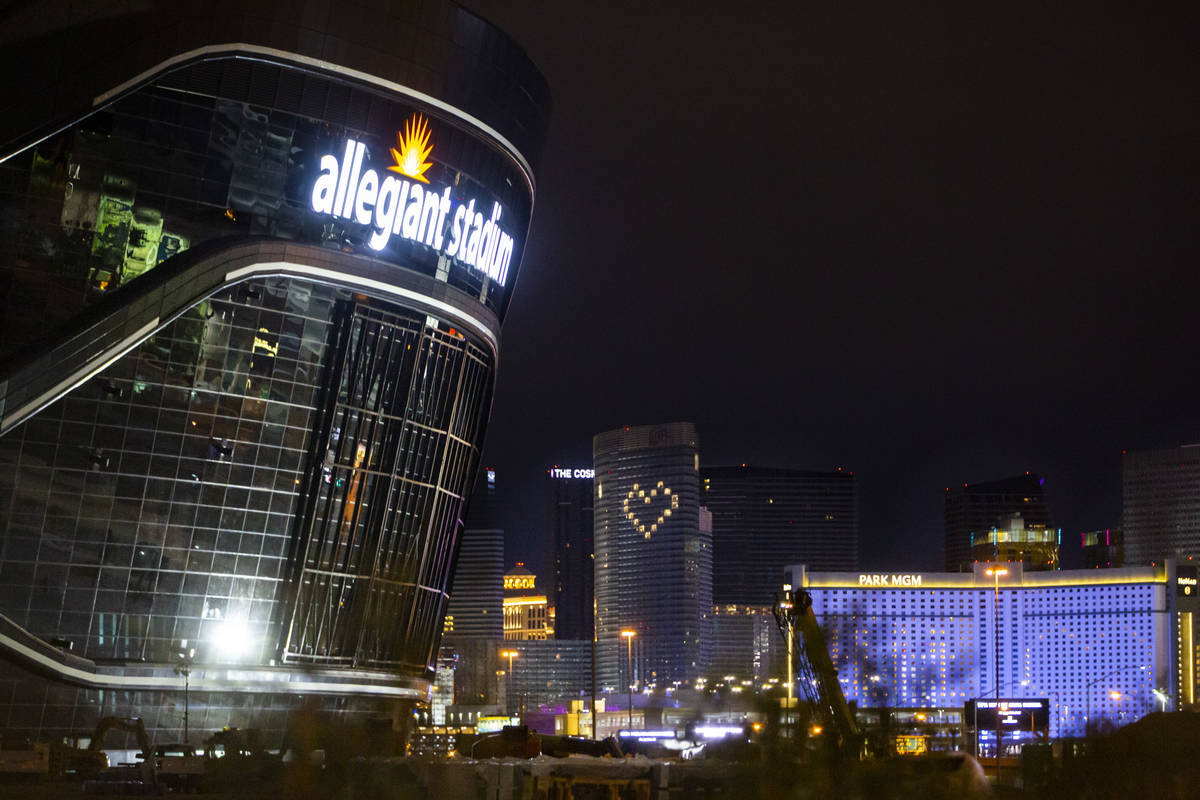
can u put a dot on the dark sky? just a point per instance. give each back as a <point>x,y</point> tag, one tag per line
<point>931,244</point>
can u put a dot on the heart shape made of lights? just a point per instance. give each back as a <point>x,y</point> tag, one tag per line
<point>642,504</point>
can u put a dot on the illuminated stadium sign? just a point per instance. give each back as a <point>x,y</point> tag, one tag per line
<point>396,206</point>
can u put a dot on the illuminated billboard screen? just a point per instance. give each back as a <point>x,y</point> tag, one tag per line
<point>1014,714</point>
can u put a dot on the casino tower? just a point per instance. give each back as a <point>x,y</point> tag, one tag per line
<point>653,564</point>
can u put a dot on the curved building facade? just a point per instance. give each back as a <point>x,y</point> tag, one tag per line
<point>653,565</point>
<point>254,270</point>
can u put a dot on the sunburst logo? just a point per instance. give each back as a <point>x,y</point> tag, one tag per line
<point>412,148</point>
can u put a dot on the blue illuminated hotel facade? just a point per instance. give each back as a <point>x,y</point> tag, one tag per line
<point>1089,641</point>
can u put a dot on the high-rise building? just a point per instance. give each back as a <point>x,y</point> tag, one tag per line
<point>764,518</point>
<point>549,671</point>
<point>1103,549</point>
<point>476,667</point>
<point>526,613</point>
<point>973,510</point>
<point>746,643</point>
<point>475,608</point>
<point>443,693</point>
<point>569,528</point>
<point>1162,504</point>
<point>255,264</point>
<point>1035,546</point>
<point>653,556</point>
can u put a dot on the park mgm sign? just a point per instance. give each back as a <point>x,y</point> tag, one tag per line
<point>883,579</point>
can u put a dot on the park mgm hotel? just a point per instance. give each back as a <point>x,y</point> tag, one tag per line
<point>1115,643</point>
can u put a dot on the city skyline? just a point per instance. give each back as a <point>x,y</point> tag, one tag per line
<point>530,539</point>
<point>979,248</point>
<point>836,405</point>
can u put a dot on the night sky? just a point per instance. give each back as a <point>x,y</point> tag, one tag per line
<point>930,244</point>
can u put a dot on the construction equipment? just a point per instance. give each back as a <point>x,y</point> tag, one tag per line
<point>237,757</point>
<point>234,743</point>
<point>178,767</point>
<point>19,756</point>
<point>67,759</point>
<point>513,741</point>
<point>139,778</point>
<point>813,669</point>
<point>563,746</point>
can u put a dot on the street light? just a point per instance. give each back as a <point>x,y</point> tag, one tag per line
<point>785,618</point>
<point>1114,694</point>
<point>510,655</point>
<point>628,635</point>
<point>996,572</point>
<point>183,666</point>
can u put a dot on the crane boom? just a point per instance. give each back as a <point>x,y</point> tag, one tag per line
<point>818,677</point>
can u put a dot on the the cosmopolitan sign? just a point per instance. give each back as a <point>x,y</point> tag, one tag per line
<point>351,189</point>
<point>564,472</point>
<point>889,580</point>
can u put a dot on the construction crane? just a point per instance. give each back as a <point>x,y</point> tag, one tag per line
<point>811,667</point>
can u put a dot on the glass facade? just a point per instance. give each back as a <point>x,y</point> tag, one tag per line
<point>746,643</point>
<point>186,495</point>
<point>653,569</point>
<point>1161,509</point>
<point>154,503</point>
<point>221,148</point>
<point>548,672</point>
<point>969,512</point>
<point>766,517</point>
<point>569,531</point>
<point>395,448</point>
<point>53,710</point>
<point>237,421</point>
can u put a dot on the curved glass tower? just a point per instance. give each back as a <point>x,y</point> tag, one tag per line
<point>254,271</point>
<point>653,570</point>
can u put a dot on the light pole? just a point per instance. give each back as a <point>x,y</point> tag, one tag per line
<point>786,606</point>
<point>1087,721</point>
<point>628,635</point>
<point>183,666</point>
<point>996,572</point>
<point>510,655</point>
<point>785,618</point>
